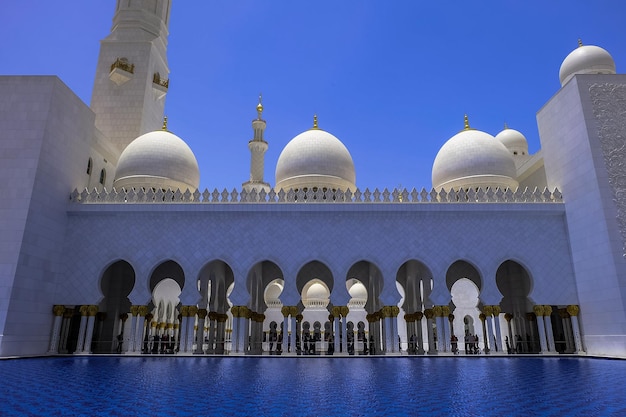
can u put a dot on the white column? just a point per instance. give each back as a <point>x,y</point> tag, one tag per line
<point>89,331</point>
<point>441,339</point>
<point>538,309</point>
<point>420,335</point>
<point>139,328</point>
<point>496,319</point>
<point>336,340</point>
<point>193,310</point>
<point>394,330</point>
<point>430,332</point>
<point>212,332</point>
<point>58,311</point>
<point>84,310</point>
<point>200,333</point>
<point>184,311</point>
<point>130,330</point>
<point>244,333</point>
<point>285,333</point>
<point>293,335</point>
<point>573,311</point>
<point>65,329</point>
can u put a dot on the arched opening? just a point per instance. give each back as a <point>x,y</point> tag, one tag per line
<point>315,283</point>
<point>415,281</point>
<point>216,281</point>
<point>515,284</point>
<point>465,283</point>
<point>265,285</point>
<point>365,279</point>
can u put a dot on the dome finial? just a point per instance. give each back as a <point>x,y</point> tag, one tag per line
<point>580,42</point>
<point>164,127</point>
<point>315,122</point>
<point>259,107</point>
<point>466,120</point>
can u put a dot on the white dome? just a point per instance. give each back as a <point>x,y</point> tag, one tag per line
<point>514,141</point>
<point>358,291</point>
<point>473,159</point>
<point>273,291</point>
<point>159,160</point>
<point>315,159</point>
<point>586,59</point>
<point>317,291</point>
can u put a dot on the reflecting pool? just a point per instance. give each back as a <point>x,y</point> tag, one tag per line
<point>246,386</point>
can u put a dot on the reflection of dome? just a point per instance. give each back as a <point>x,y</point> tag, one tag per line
<point>315,159</point>
<point>159,160</point>
<point>586,59</point>
<point>358,291</point>
<point>317,291</point>
<point>514,141</point>
<point>472,159</point>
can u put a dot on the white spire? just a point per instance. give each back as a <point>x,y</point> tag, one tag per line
<point>258,146</point>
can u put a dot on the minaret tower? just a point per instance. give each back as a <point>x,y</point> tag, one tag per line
<point>132,75</point>
<point>257,147</point>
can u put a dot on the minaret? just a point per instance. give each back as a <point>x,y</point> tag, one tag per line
<point>257,147</point>
<point>132,75</point>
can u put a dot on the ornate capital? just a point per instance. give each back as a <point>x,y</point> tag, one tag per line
<point>58,310</point>
<point>202,313</point>
<point>563,313</point>
<point>573,310</point>
<point>496,310</point>
<point>193,310</point>
<point>344,311</point>
<point>336,311</point>
<point>124,317</point>
<point>508,316</point>
<point>429,313</point>
<point>445,311</point>
<point>92,310</point>
<point>84,310</point>
<point>385,311</point>
<point>184,311</point>
<point>409,318</point>
<point>487,310</point>
<point>134,310</point>
<point>547,310</point>
<point>221,318</point>
<point>285,310</point>
<point>293,311</point>
<point>437,311</point>
<point>538,309</point>
<point>143,310</point>
<point>212,315</point>
<point>395,310</point>
<point>482,316</point>
<point>418,315</point>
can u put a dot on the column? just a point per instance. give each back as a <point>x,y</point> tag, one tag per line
<point>285,310</point>
<point>573,311</point>
<point>236,312</point>
<point>336,315</point>
<point>129,337</point>
<point>409,319</point>
<point>92,310</point>
<point>65,329</point>
<point>547,321</point>
<point>344,329</point>
<point>142,311</point>
<point>84,310</point>
<point>567,330</point>
<point>439,324</point>
<point>420,337</point>
<point>429,313</point>
<point>184,312</point>
<point>220,336</point>
<point>496,318</point>
<point>395,310</point>
<point>293,311</point>
<point>191,321</point>
<point>538,309</point>
<point>244,328</point>
<point>508,317</point>
<point>212,322</point>
<point>202,313</point>
<point>58,311</point>
<point>483,319</point>
<point>445,328</point>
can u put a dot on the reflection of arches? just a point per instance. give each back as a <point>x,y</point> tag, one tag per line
<point>116,284</point>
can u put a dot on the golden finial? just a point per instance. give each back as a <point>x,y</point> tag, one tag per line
<point>164,123</point>
<point>466,120</point>
<point>580,43</point>
<point>259,107</point>
<point>315,122</point>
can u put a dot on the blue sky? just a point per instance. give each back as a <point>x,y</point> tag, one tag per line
<point>391,79</point>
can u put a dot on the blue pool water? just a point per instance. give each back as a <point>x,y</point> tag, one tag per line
<point>417,386</point>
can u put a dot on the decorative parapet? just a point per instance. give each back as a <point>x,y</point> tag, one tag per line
<point>121,71</point>
<point>395,196</point>
<point>123,64</point>
<point>156,79</point>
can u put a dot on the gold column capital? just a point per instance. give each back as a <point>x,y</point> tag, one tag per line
<point>202,313</point>
<point>344,311</point>
<point>429,313</point>
<point>496,310</point>
<point>482,316</point>
<point>285,311</point>
<point>573,310</point>
<point>488,310</point>
<point>293,311</point>
<point>547,310</point>
<point>58,310</point>
<point>184,311</point>
<point>134,310</point>
<point>508,316</point>
<point>143,310</point>
<point>437,311</point>
<point>418,315</point>
<point>445,311</point>
<point>193,310</point>
<point>538,309</point>
<point>84,310</point>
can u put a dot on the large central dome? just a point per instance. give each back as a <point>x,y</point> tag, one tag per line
<point>315,159</point>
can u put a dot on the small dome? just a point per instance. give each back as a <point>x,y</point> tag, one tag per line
<point>358,291</point>
<point>514,141</point>
<point>273,291</point>
<point>159,160</point>
<point>315,159</point>
<point>586,59</point>
<point>473,159</point>
<point>317,291</point>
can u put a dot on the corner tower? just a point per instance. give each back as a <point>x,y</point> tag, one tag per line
<point>132,75</point>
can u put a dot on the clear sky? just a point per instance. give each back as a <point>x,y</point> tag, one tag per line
<point>391,79</point>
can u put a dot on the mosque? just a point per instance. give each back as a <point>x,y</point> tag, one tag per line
<point>108,245</point>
